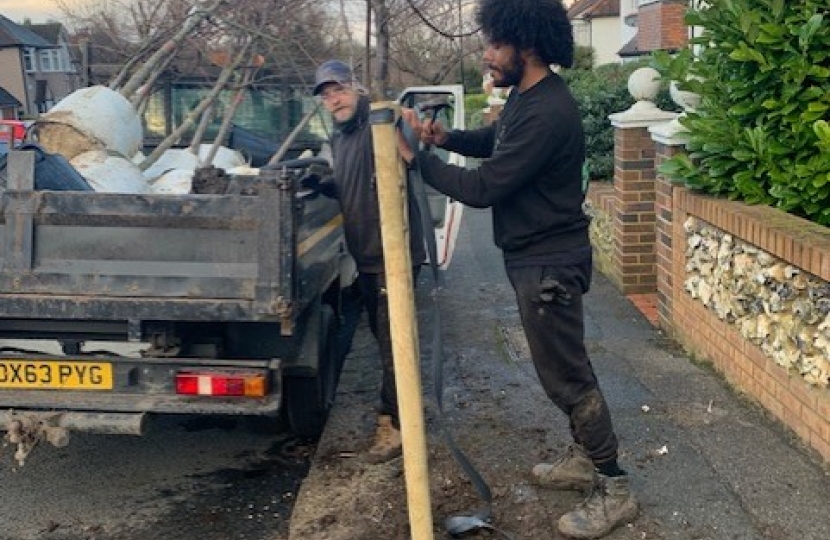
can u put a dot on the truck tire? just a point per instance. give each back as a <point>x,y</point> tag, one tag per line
<point>308,399</point>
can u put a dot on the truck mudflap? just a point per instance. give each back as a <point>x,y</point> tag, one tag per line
<point>26,429</point>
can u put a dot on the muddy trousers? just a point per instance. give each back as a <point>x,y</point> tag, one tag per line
<point>375,301</point>
<point>555,334</point>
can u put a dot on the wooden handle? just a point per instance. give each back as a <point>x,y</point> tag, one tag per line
<point>401,295</point>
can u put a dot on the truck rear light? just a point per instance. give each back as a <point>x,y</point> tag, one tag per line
<point>197,383</point>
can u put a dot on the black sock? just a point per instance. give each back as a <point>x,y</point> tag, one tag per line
<point>610,468</point>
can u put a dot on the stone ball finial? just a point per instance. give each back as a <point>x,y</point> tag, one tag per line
<point>644,84</point>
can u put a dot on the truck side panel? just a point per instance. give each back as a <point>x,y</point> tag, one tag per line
<point>162,252</point>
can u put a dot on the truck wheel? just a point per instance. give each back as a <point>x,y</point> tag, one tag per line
<point>308,400</point>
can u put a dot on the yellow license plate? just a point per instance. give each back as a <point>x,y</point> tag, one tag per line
<point>55,375</point>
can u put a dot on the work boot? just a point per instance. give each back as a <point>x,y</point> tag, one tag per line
<point>573,470</point>
<point>609,505</point>
<point>387,444</point>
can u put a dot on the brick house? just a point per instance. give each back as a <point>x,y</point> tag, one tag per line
<point>37,65</point>
<point>658,26</point>
<point>621,30</point>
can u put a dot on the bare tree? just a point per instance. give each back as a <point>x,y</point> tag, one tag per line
<point>431,40</point>
<point>420,42</point>
<point>160,56</point>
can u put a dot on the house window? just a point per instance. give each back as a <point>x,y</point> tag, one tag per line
<point>582,33</point>
<point>29,60</point>
<point>50,60</point>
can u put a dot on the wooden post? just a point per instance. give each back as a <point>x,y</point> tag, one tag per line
<point>399,286</point>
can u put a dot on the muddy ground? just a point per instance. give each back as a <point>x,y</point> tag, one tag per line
<point>705,463</point>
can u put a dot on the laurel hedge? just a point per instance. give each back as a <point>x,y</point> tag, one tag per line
<point>761,132</point>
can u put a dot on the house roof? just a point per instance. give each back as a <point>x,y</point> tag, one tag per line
<point>15,35</point>
<point>8,100</point>
<point>631,49</point>
<point>592,9</point>
<point>49,31</point>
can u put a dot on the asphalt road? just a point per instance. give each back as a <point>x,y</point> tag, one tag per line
<point>188,478</point>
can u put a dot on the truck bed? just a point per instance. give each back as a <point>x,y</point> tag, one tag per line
<point>102,256</point>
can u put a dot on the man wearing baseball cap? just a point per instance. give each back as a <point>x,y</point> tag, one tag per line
<point>354,179</point>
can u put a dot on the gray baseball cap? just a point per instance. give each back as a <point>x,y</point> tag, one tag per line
<point>332,71</point>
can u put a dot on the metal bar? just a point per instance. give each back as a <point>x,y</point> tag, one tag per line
<point>100,423</point>
<point>19,230</point>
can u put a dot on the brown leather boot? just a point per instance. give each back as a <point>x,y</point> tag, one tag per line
<point>387,444</point>
<point>573,470</point>
<point>609,505</point>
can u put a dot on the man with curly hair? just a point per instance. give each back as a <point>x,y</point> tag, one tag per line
<point>531,177</point>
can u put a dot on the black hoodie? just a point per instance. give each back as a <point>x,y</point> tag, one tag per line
<point>532,174</point>
<point>354,177</point>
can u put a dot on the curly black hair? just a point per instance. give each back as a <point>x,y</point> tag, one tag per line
<point>538,25</point>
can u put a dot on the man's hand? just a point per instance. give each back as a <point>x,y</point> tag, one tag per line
<point>428,131</point>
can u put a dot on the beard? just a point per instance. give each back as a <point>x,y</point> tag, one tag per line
<point>511,74</point>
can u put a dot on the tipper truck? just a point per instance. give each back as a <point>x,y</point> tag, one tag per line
<point>116,306</point>
<point>204,304</point>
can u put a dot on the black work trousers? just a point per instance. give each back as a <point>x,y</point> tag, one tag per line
<point>555,334</point>
<point>376,302</point>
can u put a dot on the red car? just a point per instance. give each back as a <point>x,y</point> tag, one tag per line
<point>16,129</point>
<point>12,133</point>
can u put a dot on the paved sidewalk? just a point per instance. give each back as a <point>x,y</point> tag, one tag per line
<point>706,463</point>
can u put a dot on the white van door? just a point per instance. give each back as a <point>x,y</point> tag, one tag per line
<point>447,104</point>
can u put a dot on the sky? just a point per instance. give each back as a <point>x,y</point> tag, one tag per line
<point>37,10</point>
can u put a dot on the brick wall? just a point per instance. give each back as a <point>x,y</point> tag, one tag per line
<point>643,250</point>
<point>799,406</point>
<point>664,237</point>
<point>633,217</point>
<point>660,26</point>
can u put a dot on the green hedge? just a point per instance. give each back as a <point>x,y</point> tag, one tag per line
<point>474,105</point>
<point>601,92</point>
<point>761,132</point>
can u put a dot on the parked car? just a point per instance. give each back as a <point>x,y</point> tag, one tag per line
<point>12,134</point>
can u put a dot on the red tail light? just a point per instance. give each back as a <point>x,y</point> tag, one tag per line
<point>220,384</point>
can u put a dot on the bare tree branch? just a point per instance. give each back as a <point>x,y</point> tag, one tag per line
<point>194,19</point>
<point>206,102</point>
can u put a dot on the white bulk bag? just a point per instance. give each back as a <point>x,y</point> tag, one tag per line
<point>109,173</point>
<point>91,118</point>
<point>172,159</point>
<point>175,182</point>
<point>226,158</point>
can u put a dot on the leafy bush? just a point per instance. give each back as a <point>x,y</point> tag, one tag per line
<point>601,92</point>
<point>583,57</point>
<point>474,105</point>
<point>761,132</point>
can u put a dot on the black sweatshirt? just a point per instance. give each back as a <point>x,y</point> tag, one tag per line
<point>532,176</point>
<point>354,178</point>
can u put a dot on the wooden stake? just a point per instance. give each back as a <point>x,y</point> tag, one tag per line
<point>401,295</point>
